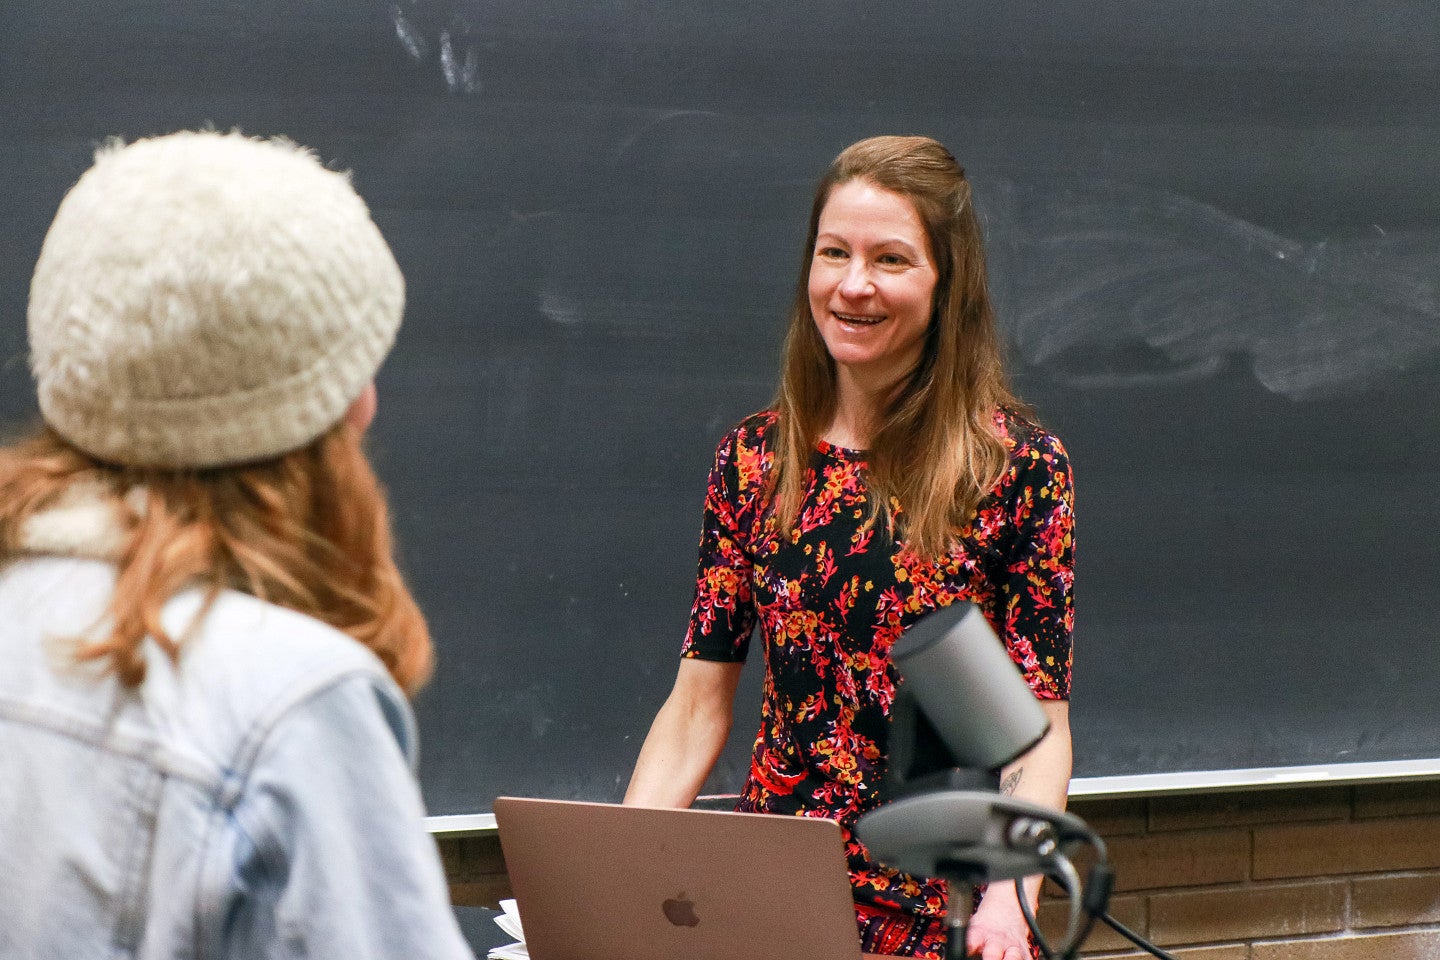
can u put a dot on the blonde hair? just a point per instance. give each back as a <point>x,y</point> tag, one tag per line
<point>308,530</point>
<point>935,452</point>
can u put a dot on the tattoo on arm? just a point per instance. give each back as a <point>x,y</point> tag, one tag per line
<point>1012,781</point>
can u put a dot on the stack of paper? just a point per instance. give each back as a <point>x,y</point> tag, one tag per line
<point>509,921</point>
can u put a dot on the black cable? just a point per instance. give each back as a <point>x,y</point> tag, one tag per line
<point>1085,903</point>
<point>1135,938</point>
<point>1031,922</point>
<point>1058,867</point>
<point>1096,898</point>
<point>1098,886</point>
<point>1077,928</point>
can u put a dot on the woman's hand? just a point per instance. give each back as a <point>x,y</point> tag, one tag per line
<point>999,934</point>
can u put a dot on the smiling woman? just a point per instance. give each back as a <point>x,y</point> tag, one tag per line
<point>871,287</point>
<point>895,474</point>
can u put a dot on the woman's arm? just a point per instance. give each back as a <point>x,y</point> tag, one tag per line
<point>687,735</point>
<point>1042,775</point>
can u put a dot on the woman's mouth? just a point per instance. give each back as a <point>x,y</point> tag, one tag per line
<point>858,320</point>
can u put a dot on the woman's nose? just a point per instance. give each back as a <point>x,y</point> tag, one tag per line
<point>856,284</point>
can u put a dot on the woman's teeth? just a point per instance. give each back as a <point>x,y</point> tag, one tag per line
<point>863,321</point>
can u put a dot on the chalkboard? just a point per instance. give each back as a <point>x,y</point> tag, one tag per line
<point>1214,235</point>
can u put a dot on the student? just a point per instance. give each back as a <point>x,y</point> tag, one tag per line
<point>205,744</point>
<point>895,474</point>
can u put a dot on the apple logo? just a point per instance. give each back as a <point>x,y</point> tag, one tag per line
<point>680,911</point>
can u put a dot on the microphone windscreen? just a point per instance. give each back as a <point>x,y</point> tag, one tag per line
<point>964,681</point>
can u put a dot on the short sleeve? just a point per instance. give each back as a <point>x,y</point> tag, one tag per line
<point>1039,573</point>
<point>329,851</point>
<point>723,614</point>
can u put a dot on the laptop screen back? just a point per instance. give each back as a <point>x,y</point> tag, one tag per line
<point>604,882</point>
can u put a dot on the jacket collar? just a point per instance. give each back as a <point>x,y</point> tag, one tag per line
<point>88,520</point>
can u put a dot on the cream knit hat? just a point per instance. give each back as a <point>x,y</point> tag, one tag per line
<point>205,299</point>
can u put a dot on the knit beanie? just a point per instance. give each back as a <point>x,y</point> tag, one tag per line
<point>205,299</point>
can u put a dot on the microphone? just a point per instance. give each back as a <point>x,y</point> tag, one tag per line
<point>962,711</point>
<point>983,836</point>
<point>962,702</point>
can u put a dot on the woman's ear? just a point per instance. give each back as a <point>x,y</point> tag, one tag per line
<point>362,411</point>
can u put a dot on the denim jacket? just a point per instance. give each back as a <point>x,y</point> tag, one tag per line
<point>256,799</point>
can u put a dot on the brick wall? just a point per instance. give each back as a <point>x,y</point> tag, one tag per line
<point>475,869</point>
<point>1299,873</point>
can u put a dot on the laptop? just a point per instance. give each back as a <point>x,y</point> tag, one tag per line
<point>597,881</point>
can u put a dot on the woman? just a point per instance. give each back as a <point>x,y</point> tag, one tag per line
<point>205,749</point>
<point>895,474</point>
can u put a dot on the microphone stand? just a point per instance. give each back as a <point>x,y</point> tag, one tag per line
<point>956,826</point>
<point>961,713</point>
<point>957,922</point>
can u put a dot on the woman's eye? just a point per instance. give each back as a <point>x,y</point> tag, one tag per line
<point>831,253</point>
<point>891,260</point>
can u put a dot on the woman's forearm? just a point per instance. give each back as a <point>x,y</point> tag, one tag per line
<point>686,737</point>
<point>1041,775</point>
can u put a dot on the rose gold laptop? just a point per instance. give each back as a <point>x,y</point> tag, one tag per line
<point>596,881</point>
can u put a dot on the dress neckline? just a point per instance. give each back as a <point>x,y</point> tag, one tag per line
<point>842,453</point>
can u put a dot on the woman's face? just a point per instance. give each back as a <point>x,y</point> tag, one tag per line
<point>872,283</point>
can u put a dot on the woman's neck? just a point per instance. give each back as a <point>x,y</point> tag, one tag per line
<point>844,433</point>
<point>857,412</point>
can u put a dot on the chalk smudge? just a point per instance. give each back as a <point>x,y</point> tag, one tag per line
<point>1113,284</point>
<point>458,56</point>
<point>460,68</point>
<point>409,35</point>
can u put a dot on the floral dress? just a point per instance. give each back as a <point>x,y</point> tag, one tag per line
<point>832,598</point>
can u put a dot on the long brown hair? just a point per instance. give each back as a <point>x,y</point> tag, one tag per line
<point>935,451</point>
<point>308,530</point>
